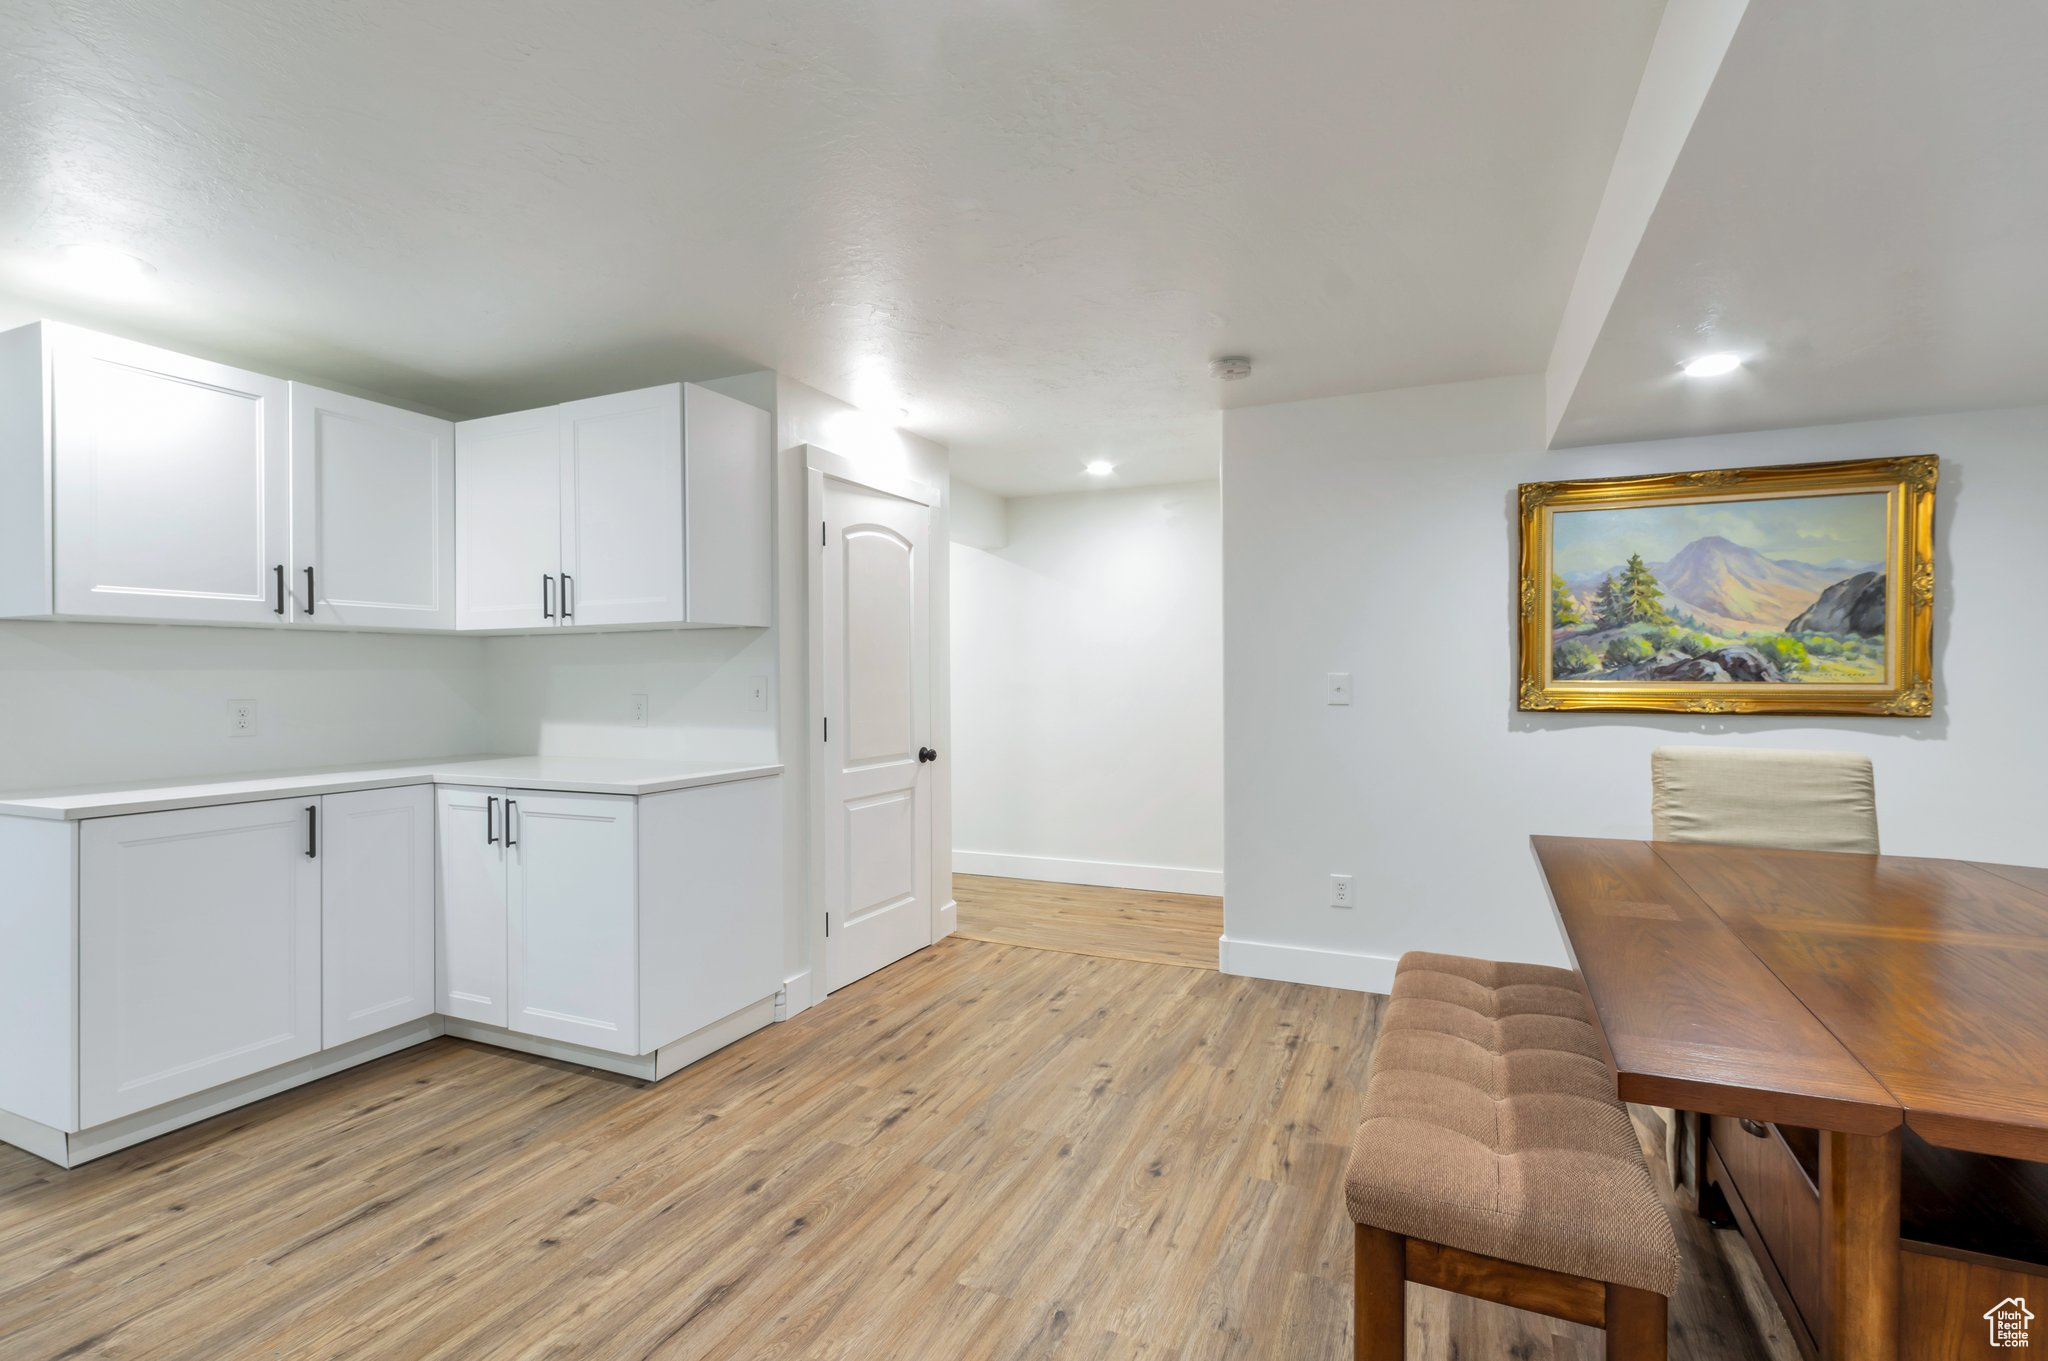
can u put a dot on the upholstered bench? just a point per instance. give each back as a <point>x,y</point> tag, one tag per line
<point>1496,1161</point>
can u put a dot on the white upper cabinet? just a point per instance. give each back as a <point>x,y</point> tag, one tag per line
<point>140,484</point>
<point>731,503</point>
<point>373,514</point>
<point>622,493</point>
<point>640,509</point>
<point>508,521</point>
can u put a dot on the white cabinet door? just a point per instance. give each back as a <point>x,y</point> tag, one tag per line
<point>173,486</point>
<point>373,514</point>
<point>622,498</point>
<point>470,944</point>
<point>508,520</point>
<point>711,919</point>
<point>198,951</point>
<point>377,911</point>
<point>729,464</point>
<point>573,920</point>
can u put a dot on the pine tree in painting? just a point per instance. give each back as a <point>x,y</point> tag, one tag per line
<point>1610,607</point>
<point>1642,600</point>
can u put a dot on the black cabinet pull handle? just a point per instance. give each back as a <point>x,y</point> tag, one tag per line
<point>490,822</point>
<point>547,597</point>
<point>568,597</point>
<point>925,754</point>
<point>280,589</point>
<point>309,593</point>
<point>312,831</point>
<point>511,807</point>
<point>1752,1127</point>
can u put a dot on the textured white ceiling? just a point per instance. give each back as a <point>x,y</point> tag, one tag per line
<point>1029,223</point>
<point>1860,210</point>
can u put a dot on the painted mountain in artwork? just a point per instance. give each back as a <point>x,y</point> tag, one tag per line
<point>1731,588</point>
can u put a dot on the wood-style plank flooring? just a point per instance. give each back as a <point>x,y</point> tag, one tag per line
<point>1115,923</point>
<point>983,1151</point>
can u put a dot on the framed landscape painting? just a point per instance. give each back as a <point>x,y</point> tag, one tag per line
<point>1803,589</point>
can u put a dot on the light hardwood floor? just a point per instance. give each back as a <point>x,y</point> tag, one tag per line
<point>1115,923</point>
<point>983,1151</point>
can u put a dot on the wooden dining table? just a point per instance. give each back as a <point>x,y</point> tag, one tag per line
<point>1874,999</point>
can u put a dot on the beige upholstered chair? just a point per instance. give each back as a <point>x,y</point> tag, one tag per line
<point>1744,796</point>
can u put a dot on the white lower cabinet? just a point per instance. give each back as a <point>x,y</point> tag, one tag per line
<point>376,910</point>
<point>470,941</point>
<point>572,919</point>
<point>198,951</point>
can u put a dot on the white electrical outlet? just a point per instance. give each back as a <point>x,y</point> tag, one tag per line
<point>639,711</point>
<point>757,694</point>
<point>241,718</point>
<point>1341,893</point>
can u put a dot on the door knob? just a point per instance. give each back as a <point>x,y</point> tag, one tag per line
<point>926,754</point>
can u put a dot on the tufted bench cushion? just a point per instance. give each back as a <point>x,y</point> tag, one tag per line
<point>1492,1126</point>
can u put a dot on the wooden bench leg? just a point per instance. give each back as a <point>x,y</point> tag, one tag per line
<point>1636,1324</point>
<point>1379,1302</point>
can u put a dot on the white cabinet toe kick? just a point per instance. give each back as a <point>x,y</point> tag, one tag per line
<point>164,967</point>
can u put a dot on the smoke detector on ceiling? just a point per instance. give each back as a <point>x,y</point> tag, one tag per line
<point>1231,367</point>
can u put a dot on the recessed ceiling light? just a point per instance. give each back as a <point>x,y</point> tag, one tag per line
<point>1101,468</point>
<point>101,268</point>
<point>1712,365</point>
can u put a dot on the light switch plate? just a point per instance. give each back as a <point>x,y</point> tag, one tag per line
<point>1339,687</point>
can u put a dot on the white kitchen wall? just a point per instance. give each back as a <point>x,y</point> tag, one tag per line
<point>1376,534</point>
<point>99,703</point>
<point>1088,691</point>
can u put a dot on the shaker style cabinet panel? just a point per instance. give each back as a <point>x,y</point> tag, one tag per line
<point>470,945</point>
<point>198,951</point>
<point>508,521</point>
<point>373,514</point>
<point>376,910</point>
<point>574,919</point>
<point>172,484</point>
<point>622,497</point>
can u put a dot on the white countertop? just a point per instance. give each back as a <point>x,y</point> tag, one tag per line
<point>561,774</point>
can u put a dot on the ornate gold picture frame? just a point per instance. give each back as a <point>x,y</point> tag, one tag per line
<point>1801,589</point>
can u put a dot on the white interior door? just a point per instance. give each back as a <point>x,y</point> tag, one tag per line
<point>508,520</point>
<point>875,651</point>
<point>198,951</point>
<point>376,910</point>
<point>373,513</point>
<point>173,485</point>
<point>470,946</point>
<point>622,495</point>
<point>574,919</point>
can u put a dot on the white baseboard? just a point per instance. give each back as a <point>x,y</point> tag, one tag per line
<point>796,996</point>
<point>1103,873</point>
<point>1302,964</point>
<point>69,1150</point>
<point>670,1058</point>
<point>948,921</point>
